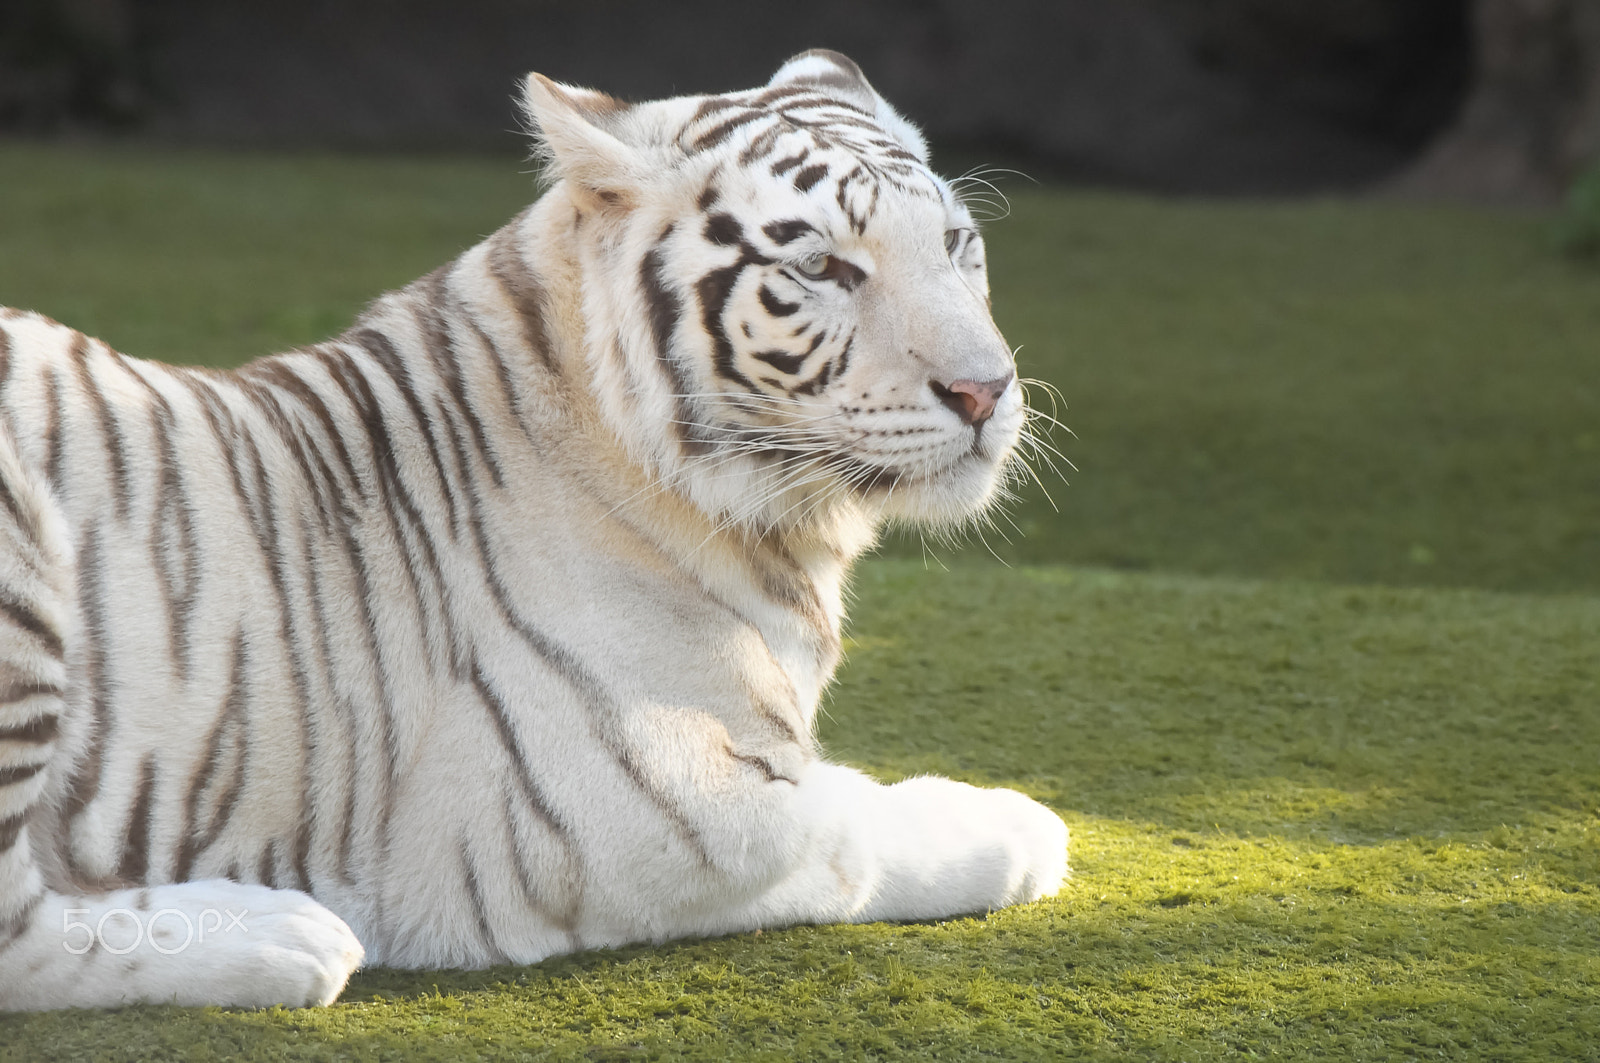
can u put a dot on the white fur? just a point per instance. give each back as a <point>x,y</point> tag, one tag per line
<point>536,672</point>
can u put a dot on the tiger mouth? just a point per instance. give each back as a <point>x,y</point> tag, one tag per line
<point>876,477</point>
<point>861,475</point>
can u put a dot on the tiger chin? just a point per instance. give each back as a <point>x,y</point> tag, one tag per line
<point>495,627</point>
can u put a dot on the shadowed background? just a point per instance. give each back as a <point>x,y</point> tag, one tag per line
<point>1193,95</point>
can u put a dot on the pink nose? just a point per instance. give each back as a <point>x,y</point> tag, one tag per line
<point>972,400</point>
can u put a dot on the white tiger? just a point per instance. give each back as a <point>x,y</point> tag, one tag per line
<point>498,624</point>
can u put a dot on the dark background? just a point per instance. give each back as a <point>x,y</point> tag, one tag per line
<point>1487,99</point>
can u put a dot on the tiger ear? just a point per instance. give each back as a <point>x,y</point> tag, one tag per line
<point>575,131</point>
<point>837,75</point>
<point>830,70</point>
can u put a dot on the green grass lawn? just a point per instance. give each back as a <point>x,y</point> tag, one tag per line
<point>1309,659</point>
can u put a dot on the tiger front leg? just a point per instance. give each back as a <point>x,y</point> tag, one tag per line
<point>925,848</point>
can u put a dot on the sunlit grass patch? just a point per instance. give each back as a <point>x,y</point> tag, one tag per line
<point>1308,822</point>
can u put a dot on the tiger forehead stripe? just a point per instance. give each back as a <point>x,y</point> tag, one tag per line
<point>784,165</point>
<point>806,178</point>
<point>787,232</point>
<point>717,134</point>
<point>724,230</point>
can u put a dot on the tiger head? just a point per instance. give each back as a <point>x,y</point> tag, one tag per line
<point>787,310</point>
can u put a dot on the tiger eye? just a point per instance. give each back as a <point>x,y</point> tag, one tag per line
<point>816,267</point>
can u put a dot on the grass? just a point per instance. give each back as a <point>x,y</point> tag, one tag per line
<point>1307,661</point>
<point>1577,228</point>
<point>1324,391</point>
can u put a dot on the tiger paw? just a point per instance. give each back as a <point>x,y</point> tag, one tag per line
<point>205,943</point>
<point>1035,841</point>
<point>948,848</point>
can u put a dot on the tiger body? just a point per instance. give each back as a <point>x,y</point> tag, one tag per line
<point>496,627</point>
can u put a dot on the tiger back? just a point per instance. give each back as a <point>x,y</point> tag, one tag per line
<point>496,627</point>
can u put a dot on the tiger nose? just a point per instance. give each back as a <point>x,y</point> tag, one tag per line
<point>972,400</point>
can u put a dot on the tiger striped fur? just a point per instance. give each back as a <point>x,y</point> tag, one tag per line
<point>498,624</point>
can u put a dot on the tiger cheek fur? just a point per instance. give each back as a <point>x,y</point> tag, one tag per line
<point>495,627</point>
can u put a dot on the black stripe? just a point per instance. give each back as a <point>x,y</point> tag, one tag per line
<point>21,773</point>
<point>9,500</point>
<point>270,533</point>
<point>37,731</point>
<point>787,728</point>
<point>314,471</point>
<point>378,347</point>
<point>844,355</point>
<point>27,618</point>
<point>384,701</point>
<point>665,311</point>
<point>767,97</point>
<point>251,476</point>
<point>469,874</point>
<point>221,422</point>
<point>523,290</point>
<point>761,144</point>
<point>760,764</point>
<point>5,361</point>
<point>532,795</point>
<point>714,290</point>
<point>810,176</point>
<point>11,829</point>
<point>85,780</point>
<point>786,232</point>
<point>195,839</point>
<point>818,381</point>
<point>112,436</point>
<point>664,804</point>
<point>785,581</point>
<point>462,468</point>
<point>712,105</point>
<point>135,863</point>
<point>773,305</point>
<point>567,918</point>
<point>841,196</point>
<point>267,866</point>
<point>18,689</point>
<point>446,362</point>
<point>858,218</point>
<point>337,704</point>
<point>280,374</point>
<point>783,361</point>
<point>400,507</point>
<point>723,230</point>
<point>502,372</point>
<point>54,450</point>
<point>721,132</point>
<point>567,666</point>
<point>172,545</point>
<point>784,165</point>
